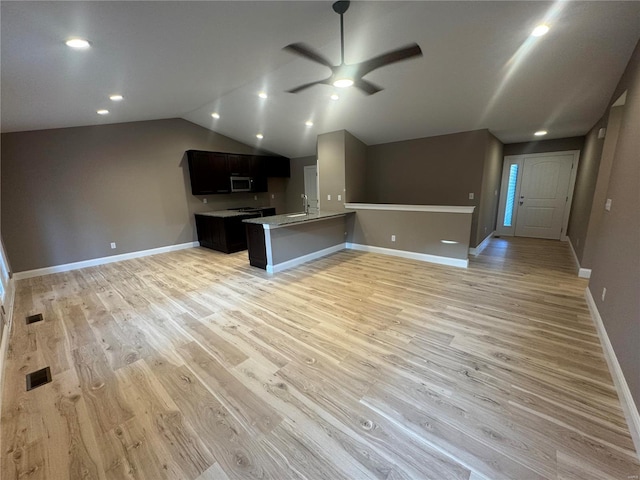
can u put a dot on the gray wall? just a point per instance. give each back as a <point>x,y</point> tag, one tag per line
<point>490,193</point>
<point>418,232</point>
<point>544,146</point>
<point>599,195</point>
<point>295,184</point>
<point>440,170</point>
<point>616,263</point>
<point>331,170</point>
<point>67,193</point>
<point>583,192</point>
<point>305,238</point>
<point>355,169</point>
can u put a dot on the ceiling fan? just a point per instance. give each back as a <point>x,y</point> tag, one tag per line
<point>345,75</point>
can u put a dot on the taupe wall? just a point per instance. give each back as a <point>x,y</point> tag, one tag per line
<point>490,193</point>
<point>419,232</point>
<point>331,170</point>
<point>355,169</point>
<point>67,193</point>
<point>295,184</point>
<point>616,263</point>
<point>544,146</point>
<point>440,170</point>
<point>599,195</point>
<point>306,238</point>
<point>583,191</point>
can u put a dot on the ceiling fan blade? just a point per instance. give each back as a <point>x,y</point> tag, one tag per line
<point>404,53</point>
<point>307,85</point>
<point>306,52</point>
<point>366,86</point>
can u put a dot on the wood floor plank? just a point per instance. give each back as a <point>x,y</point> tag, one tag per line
<point>193,365</point>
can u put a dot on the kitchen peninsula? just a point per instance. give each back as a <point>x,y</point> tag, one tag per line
<point>283,241</point>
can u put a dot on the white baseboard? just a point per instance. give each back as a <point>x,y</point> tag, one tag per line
<point>628,405</point>
<point>582,272</point>
<point>424,257</point>
<point>10,295</point>
<point>477,250</point>
<point>101,261</point>
<point>294,262</point>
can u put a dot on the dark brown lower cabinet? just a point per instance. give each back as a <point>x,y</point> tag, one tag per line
<point>256,245</point>
<point>223,234</point>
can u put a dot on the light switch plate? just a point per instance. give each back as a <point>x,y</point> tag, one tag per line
<point>471,196</point>
<point>607,205</point>
<point>339,197</point>
<point>328,197</point>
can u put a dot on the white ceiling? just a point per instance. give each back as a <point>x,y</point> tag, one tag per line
<point>480,68</point>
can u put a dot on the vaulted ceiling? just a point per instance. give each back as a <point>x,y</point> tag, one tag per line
<point>480,69</point>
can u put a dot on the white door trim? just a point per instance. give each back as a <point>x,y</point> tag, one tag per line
<point>519,159</point>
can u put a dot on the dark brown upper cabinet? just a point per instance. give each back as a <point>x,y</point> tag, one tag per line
<point>209,172</point>
<point>239,165</point>
<point>278,166</point>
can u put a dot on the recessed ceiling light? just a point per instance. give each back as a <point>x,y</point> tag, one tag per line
<point>262,95</point>
<point>343,83</point>
<point>215,115</point>
<point>116,98</point>
<point>540,30</point>
<point>540,133</point>
<point>309,123</point>
<point>260,136</point>
<point>103,112</point>
<point>334,97</point>
<point>79,43</point>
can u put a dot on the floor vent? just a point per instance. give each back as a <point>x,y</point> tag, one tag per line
<point>37,378</point>
<point>34,318</point>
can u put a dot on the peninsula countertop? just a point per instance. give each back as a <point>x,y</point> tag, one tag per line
<point>288,219</point>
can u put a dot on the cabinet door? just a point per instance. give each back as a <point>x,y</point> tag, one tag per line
<point>278,167</point>
<point>203,226</point>
<point>208,172</point>
<point>258,173</point>
<point>239,165</point>
<point>256,245</point>
<point>220,173</point>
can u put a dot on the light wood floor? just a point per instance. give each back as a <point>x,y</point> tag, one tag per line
<point>193,365</point>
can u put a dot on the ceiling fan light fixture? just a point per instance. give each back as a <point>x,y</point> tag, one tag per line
<point>77,43</point>
<point>540,30</point>
<point>343,83</point>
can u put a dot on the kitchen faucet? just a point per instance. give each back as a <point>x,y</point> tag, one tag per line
<point>305,203</point>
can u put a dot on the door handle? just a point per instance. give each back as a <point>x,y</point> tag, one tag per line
<point>521,199</point>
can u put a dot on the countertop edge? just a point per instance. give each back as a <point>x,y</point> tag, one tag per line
<point>411,208</point>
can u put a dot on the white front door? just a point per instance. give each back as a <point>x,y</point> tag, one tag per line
<point>536,194</point>
<point>311,187</point>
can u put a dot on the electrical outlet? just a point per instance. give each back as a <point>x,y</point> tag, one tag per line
<point>471,196</point>
<point>204,200</point>
<point>328,197</point>
<point>273,196</point>
<point>255,197</point>
<point>604,293</point>
<point>607,205</point>
<point>393,238</point>
<point>113,245</point>
<point>485,229</point>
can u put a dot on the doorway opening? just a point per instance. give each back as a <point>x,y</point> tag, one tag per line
<point>311,187</point>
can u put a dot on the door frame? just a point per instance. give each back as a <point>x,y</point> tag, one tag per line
<point>509,160</point>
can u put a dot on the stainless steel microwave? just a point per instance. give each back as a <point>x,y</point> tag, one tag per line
<point>241,184</point>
